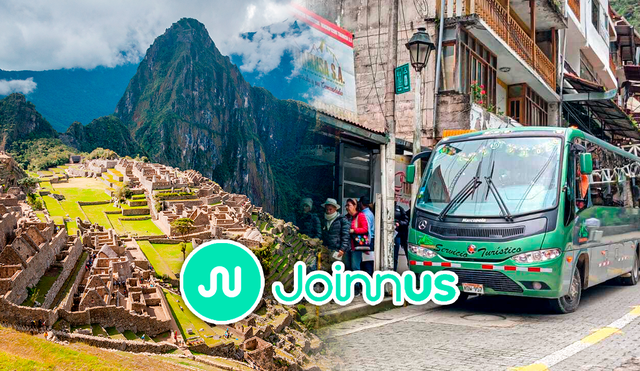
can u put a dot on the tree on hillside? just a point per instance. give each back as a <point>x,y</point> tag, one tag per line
<point>28,184</point>
<point>183,226</point>
<point>101,153</point>
<point>123,192</point>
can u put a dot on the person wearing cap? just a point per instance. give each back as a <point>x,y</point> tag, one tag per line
<point>335,229</point>
<point>309,223</point>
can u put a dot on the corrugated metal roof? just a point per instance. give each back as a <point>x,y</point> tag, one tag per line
<point>612,117</point>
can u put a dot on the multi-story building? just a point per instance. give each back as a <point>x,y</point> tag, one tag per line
<point>517,53</point>
<point>625,56</point>
<point>598,47</point>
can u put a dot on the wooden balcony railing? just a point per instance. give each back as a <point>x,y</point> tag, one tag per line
<point>575,7</point>
<point>498,18</point>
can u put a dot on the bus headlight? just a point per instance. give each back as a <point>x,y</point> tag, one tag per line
<point>421,251</point>
<point>537,256</point>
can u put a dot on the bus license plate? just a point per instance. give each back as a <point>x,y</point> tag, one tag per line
<point>473,288</point>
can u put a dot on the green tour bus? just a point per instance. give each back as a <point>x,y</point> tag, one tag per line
<point>531,211</point>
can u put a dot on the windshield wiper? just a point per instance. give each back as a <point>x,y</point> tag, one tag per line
<point>491,186</point>
<point>503,206</point>
<point>461,197</point>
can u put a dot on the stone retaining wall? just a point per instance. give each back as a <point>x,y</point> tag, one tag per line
<point>118,317</point>
<point>67,302</point>
<point>37,265</point>
<point>88,203</point>
<point>134,212</point>
<point>146,217</point>
<point>227,350</point>
<point>123,345</point>
<point>18,315</point>
<point>67,267</point>
<point>186,203</point>
<point>147,238</point>
<point>165,240</point>
<point>161,197</point>
<point>134,203</point>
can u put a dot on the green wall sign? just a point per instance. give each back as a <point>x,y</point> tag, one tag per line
<point>403,81</point>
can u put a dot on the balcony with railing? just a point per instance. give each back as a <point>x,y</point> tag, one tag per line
<point>497,17</point>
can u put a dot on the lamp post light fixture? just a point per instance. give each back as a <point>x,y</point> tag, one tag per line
<point>420,47</point>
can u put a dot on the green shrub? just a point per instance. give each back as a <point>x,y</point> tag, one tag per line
<point>34,201</point>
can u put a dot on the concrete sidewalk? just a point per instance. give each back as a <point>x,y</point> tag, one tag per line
<point>333,313</point>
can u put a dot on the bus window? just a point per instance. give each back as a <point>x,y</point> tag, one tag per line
<point>581,187</point>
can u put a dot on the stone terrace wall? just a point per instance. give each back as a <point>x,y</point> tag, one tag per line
<point>123,345</point>
<point>67,302</point>
<point>135,212</point>
<point>67,267</point>
<point>8,224</point>
<point>19,315</point>
<point>186,203</point>
<point>89,203</point>
<point>227,350</point>
<point>36,267</point>
<point>118,317</point>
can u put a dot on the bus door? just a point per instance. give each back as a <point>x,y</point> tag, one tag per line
<point>588,228</point>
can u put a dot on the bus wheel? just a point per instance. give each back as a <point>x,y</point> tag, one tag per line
<point>569,303</point>
<point>634,275</point>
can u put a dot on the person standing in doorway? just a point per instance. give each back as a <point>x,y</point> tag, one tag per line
<point>368,256</point>
<point>335,232</point>
<point>358,231</point>
<point>309,223</point>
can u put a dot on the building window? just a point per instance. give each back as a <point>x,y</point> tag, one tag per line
<point>477,64</point>
<point>527,107</point>
<point>595,13</point>
<point>586,69</point>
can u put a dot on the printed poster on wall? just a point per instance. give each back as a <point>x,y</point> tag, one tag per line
<point>402,188</point>
<point>325,69</point>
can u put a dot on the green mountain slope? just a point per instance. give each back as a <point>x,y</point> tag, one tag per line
<point>28,137</point>
<point>189,106</point>
<point>104,132</point>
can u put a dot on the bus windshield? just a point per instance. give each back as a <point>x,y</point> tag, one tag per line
<point>492,177</point>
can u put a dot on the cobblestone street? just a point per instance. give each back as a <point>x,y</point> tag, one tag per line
<point>497,333</point>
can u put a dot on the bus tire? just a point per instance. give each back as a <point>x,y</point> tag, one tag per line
<point>634,275</point>
<point>570,302</point>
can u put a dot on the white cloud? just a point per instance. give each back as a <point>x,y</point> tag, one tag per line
<point>264,52</point>
<point>44,34</point>
<point>17,86</point>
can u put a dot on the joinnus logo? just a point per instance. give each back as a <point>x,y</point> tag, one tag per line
<point>221,282</point>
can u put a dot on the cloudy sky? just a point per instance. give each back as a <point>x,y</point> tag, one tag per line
<point>52,34</point>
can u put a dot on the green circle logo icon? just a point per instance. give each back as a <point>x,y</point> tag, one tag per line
<point>221,282</point>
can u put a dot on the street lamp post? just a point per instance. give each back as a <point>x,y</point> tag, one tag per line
<point>420,47</point>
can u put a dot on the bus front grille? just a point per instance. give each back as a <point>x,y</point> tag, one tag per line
<point>476,232</point>
<point>491,279</point>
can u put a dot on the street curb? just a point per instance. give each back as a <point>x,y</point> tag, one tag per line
<point>350,312</point>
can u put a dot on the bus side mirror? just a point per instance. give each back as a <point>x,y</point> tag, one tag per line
<point>586,163</point>
<point>411,173</point>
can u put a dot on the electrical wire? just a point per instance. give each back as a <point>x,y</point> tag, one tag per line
<point>373,73</point>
